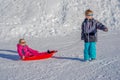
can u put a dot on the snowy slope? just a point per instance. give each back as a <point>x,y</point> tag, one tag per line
<point>55,24</point>
<point>67,64</point>
<point>43,18</point>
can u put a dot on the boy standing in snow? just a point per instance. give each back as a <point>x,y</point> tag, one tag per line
<point>89,35</point>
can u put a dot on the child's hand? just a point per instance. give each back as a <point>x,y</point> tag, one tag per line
<point>23,57</point>
<point>106,30</point>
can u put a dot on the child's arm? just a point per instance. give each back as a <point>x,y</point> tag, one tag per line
<point>32,50</point>
<point>19,49</point>
<point>101,26</point>
<point>82,32</point>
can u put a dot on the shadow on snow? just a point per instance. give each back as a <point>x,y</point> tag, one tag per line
<point>68,58</point>
<point>9,56</point>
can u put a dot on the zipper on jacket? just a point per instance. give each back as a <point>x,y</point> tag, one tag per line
<point>88,31</point>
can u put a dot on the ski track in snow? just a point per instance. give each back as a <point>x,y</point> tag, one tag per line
<point>101,64</point>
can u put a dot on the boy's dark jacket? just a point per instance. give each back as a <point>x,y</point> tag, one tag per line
<point>89,30</point>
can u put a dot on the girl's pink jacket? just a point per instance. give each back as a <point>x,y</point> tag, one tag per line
<point>26,51</point>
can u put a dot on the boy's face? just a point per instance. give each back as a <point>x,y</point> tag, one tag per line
<point>89,16</point>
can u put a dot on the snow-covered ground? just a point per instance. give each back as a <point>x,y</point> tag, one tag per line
<point>55,24</point>
<point>67,64</point>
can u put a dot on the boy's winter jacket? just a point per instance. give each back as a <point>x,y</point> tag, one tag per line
<point>89,30</point>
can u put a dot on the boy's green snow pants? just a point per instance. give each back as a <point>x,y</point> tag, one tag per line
<point>89,50</point>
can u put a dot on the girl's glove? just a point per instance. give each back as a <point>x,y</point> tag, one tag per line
<point>23,57</point>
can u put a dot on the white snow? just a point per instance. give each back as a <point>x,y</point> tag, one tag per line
<point>67,64</point>
<point>55,24</point>
<point>44,18</point>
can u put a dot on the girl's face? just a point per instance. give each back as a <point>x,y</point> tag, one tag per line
<point>89,16</point>
<point>23,42</point>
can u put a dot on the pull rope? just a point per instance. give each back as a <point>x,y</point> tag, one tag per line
<point>68,46</point>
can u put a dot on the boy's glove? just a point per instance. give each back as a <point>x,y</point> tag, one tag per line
<point>82,37</point>
<point>106,30</point>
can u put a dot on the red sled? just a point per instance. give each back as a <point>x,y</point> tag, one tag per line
<point>41,56</point>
